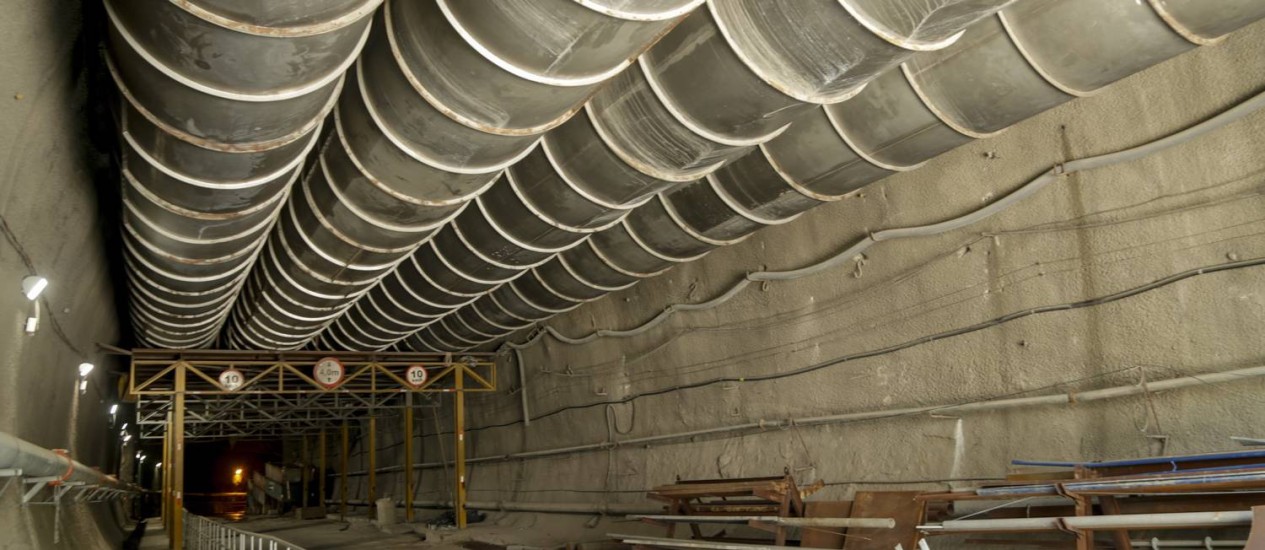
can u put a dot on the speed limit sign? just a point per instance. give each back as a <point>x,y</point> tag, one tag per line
<point>232,379</point>
<point>328,372</point>
<point>416,376</point>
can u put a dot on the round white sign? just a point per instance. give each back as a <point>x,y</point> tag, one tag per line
<point>416,375</point>
<point>328,372</point>
<point>232,379</point>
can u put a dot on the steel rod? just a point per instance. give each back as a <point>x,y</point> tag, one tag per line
<point>863,523</point>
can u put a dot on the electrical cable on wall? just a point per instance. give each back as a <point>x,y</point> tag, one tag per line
<point>996,321</point>
<point>1052,175</point>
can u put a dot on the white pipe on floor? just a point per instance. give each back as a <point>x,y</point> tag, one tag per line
<point>1129,521</point>
<point>1205,543</point>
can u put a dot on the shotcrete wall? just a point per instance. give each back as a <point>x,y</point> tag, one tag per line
<point>49,201</point>
<point>1089,235</point>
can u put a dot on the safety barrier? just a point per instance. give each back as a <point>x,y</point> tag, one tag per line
<point>202,533</point>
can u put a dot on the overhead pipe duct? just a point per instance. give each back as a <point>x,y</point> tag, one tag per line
<point>549,201</point>
<point>930,105</point>
<point>447,96</point>
<point>711,90</point>
<point>734,75</point>
<point>212,139</point>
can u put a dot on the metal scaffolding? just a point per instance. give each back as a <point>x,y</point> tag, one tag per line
<point>220,394</point>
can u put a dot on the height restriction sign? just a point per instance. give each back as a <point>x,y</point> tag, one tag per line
<point>328,372</point>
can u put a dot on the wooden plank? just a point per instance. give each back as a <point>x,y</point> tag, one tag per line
<point>721,489</point>
<point>1256,538</point>
<point>1110,506</point>
<point>727,480</point>
<point>825,538</point>
<point>899,505</point>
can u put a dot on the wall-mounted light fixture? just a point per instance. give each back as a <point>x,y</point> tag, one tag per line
<point>32,286</point>
<point>85,369</point>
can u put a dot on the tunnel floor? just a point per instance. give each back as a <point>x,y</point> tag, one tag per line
<point>501,530</point>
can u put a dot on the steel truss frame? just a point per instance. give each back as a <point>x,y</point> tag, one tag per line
<point>179,397</point>
<point>279,397</point>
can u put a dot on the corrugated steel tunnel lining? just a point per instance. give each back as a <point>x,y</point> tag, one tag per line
<point>477,174</point>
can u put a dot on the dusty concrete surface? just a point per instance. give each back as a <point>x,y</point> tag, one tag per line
<point>1089,235</point>
<point>49,203</point>
<point>499,529</point>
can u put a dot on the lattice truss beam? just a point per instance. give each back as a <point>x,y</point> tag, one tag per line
<point>260,395</point>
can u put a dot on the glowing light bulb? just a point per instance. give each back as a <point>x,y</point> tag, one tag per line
<point>32,287</point>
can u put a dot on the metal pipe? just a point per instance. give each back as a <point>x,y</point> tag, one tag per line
<point>1183,520</point>
<point>1133,485</point>
<point>34,462</point>
<point>613,508</point>
<point>859,523</point>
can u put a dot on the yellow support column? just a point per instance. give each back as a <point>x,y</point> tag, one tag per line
<point>165,490</point>
<point>176,534</point>
<point>459,434</point>
<point>408,457</point>
<point>373,464</point>
<point>343,473</point>
<point>320,483</point>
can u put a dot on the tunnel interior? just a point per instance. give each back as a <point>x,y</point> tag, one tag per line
<point>679,274</point>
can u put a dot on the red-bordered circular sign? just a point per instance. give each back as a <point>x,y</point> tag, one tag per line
<point>416,376</point>
<point>232,379</point>
<point>328,372</point>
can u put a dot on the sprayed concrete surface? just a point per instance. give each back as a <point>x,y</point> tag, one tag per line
<point>49,203</point>
<point>1089,235</point>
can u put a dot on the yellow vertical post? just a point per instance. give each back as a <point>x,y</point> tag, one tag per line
<point>408,457</point>
<point>306,466</point>
<point>176,534</point>
<point>373,464</point>
<point>320,483</point>
<point>343,473</point>
<point>459,434</point>
<point>166,471</point>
